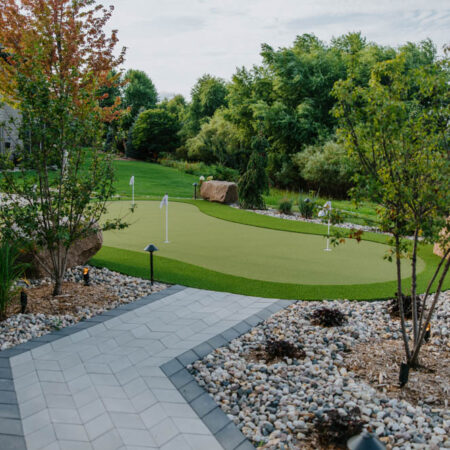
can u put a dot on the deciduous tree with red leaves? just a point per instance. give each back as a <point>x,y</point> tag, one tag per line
<point>57,55</point>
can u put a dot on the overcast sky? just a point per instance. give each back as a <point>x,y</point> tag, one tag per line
<point>177,41</point>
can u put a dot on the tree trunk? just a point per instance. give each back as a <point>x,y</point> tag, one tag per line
<point>400,297</point>
<point>413,359</point>
<point>414,287</point>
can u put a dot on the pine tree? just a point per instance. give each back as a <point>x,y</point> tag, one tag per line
<point>254,182</point>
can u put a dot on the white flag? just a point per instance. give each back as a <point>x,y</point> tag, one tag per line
<point>164,201</point>
<point>132,181</point>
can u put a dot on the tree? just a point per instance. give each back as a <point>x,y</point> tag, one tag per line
<point>208,95</point>
<point>254,182</point>
<point>139,94</point>
<point>155,132</point>
<point>218,141</point>
<point>60,58</point>
<point>397,129</point>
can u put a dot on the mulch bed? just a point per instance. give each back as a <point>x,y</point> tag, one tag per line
<point>378,363</point>
<point>75,297</point>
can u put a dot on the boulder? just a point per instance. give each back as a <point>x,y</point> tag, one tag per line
<point>219,191</point>
<point>79,254</point>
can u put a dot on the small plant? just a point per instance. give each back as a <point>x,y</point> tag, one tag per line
<point>307,207</point>
<point>334,429</point>
<point>394,310</point>
<point>328,317</point>
<point>10,271</point>
<point>283,349</point>
<point>285,206</point>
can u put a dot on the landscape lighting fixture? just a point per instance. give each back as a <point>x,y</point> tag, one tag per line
<point>195,190</point>
<point>151,248</point>
<point>23,301</point>
<point>86,276</point>
<point>404,374</point>
<point>427,333</point>
<point>365,441</point>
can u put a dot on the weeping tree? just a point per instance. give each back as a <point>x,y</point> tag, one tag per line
<point>58,58</point>
<point>397,129</point>
<point>254,182</point>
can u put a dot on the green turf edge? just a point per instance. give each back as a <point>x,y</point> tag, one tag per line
<point>236,215</point>
<point>176,272</point>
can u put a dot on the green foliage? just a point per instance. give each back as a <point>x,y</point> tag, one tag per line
<point>139,95</point>
<point>327,168</point>
<point>200,169</point>
<point>254,183</point>
<point>396,128</point>
<point>307,207</point>
<point>208,95</point>
<point>218,142</point>
<point>154,132</point>
<point>10,271</point>
<point>285,206</point>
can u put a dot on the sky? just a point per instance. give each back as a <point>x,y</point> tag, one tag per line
<point>177,41</point>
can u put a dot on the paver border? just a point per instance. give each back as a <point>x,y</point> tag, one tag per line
<point>11,431</point>
<point>223,429</point>
<point>220,425</point>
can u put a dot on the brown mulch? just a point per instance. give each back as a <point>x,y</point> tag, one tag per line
<point>75,296</point>
<point>378,363</point>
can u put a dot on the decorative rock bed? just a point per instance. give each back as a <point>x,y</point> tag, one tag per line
<point>116,288</point>
<point>296,216</point>
<point>277,404</point>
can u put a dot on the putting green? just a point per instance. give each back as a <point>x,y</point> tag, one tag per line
<point>247,251</point>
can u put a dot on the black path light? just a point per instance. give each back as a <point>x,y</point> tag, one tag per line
<point>86,276</point>
<point>404,374</point>
<point>365,441</point>
<point>195,190</point>
<point>151,248</point>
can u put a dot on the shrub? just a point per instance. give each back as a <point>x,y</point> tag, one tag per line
<point>394,310</point>
<point>220,173</point>
<point>334,429</point>
<point>254,182</point>
<point>283,349</point>
<point>326,168</point>
<point>328,317</point>
<point>306,206</point>
<point>285,206</point>
<point>10,271</point>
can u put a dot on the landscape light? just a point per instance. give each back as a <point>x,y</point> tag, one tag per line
<point>404,374</point>
<point>365,441</point>
<point>195,190</point>
<point>151,248</point>
<point>86,276</point>
<point>427,333</point>
<point>23,301</point>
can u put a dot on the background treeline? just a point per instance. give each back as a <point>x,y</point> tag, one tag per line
<point>288,99</point>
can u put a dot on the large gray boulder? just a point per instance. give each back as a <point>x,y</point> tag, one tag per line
<point>79,254</point>
<point>219,191</point>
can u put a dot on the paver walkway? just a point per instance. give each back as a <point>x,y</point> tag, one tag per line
<point>118,382</point>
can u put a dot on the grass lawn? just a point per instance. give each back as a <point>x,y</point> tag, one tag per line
<point>152,180</point>
<point>247,251</point>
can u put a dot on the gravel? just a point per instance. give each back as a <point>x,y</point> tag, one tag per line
<point>276,404</point>
<point>20,328</point>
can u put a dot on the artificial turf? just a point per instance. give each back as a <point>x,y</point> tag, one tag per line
<point>247,251</point>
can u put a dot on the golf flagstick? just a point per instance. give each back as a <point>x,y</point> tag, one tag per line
<point>132,189</point>
<point>326,210</point>
<point>165,202</point>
